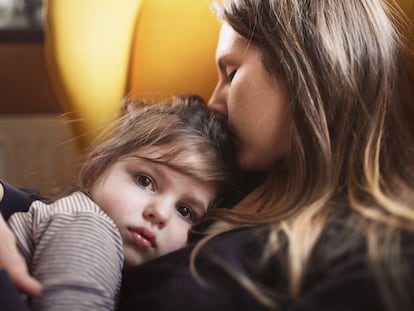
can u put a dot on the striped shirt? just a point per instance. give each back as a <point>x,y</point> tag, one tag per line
<point>75,250</point>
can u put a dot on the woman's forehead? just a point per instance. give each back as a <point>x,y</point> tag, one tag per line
<point>229,41</point>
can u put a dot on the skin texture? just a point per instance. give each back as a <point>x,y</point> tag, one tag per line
<point>152,205</point>
<point>262,131</point>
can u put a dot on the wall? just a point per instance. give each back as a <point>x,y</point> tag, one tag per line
<point>36,147</point>
<point>25,86</point>
<point>37,151</point>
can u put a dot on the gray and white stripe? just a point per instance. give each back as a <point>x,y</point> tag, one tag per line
<point>75,250</point>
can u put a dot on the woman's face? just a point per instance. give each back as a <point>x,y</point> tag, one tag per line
<point>254,102</point>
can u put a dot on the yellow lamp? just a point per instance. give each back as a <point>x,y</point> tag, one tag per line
<point>99,51</point>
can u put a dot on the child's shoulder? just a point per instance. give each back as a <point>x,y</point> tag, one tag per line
<point>75,203</point>
<point>74,206</point>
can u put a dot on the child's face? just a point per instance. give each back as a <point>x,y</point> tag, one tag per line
<point>153,205</point>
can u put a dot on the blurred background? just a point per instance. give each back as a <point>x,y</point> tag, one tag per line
<point>36,147</point>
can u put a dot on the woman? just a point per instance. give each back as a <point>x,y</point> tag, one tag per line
<point>318,96</point>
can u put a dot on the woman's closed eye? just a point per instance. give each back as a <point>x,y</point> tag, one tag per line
<point>230,75</point>
<point>145,182</point>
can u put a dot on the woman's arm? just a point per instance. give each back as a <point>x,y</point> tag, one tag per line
<point>10,298</point>
<point>14,264</point>
<point>12,261</point>
<point>15,199</point>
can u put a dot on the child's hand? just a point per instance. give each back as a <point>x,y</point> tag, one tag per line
<point>13,262</point>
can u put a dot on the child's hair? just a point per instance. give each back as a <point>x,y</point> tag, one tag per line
<point>194,140</point>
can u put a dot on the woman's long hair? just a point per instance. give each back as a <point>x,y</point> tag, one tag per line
<point>352,145</point>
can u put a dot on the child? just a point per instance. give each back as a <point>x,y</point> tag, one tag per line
<point>140,191</point>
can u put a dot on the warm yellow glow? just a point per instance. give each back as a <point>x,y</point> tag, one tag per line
<point>88,48</point>
<point>101,50</point>
<point>174,49</point>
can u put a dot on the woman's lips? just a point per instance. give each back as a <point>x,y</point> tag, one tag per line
<point>143,237</point>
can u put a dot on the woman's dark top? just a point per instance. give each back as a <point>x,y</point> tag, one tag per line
<point>344,282</point>
<point>167,284</point>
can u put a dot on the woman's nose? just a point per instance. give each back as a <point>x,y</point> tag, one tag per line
<point>217,101</point>
<point>158,214</point>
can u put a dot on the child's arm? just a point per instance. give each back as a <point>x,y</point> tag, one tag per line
<point>76,255</point>
<point>81,268</point>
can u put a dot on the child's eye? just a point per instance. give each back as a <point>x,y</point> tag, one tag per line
<point>185,212</point>
<point>145,182</point>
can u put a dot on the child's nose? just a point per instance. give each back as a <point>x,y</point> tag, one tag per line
<point>158,213</point>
